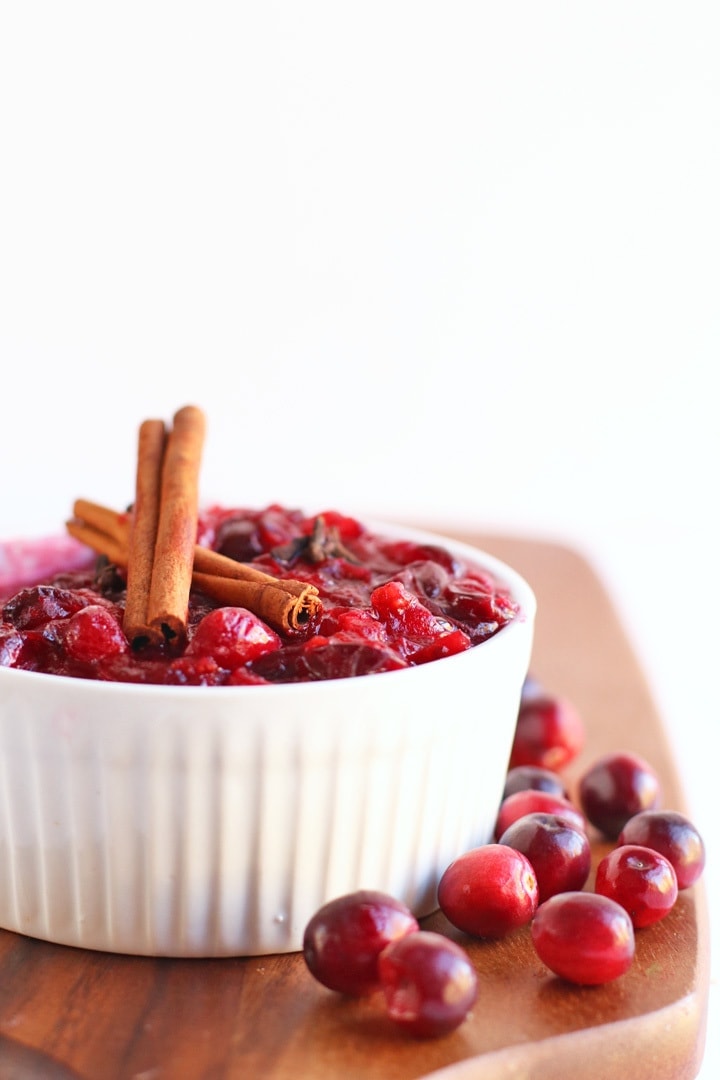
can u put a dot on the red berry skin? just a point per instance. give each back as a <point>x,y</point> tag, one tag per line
<point>615,788</point>
<point>674,836</point>
<point>344,938</point>
<point>232,636</point>
<point>583,937</point>
<point>489,891</point>
<point>92,633</point>
<point>641,880</point>
<point>429,983</point>
<point>559,852</point>
<point>533,778</point>
<point>536,802</point>
<point>549,732</point>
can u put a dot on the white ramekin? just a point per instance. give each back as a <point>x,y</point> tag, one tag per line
<point>196,821</point>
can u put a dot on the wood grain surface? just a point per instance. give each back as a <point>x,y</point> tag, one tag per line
<point>71,1013</point>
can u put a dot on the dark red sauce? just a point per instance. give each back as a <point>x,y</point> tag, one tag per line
<point>387,604</point>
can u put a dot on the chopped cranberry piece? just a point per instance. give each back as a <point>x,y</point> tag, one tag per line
<point>615,788</point>
<point>341,660</point>
<point>11,644</point>
<point>472,601</point>
<point>429,983</point>
<point>245,676</point>
<point>347,528</point>
<point>405,552</point>
<point>489,891</point>
<point>455,641</point>
<point>353,624</point>
<point>232,636</point>
<point>427,579</point>
<point>641,880</point>
<point>33,607</point>
<point>549,733</point>
<point>238,539</point>
<point>405,615</point>
<point>559,852</point>
<point>674,836</point>
<point>195,671</point>
<point>276,527</point>
<point>345,937</point>
<point>583,937</point>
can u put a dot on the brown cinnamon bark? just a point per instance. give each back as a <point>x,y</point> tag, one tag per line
<point>104,544</point>
<point>152,438</point>
<point>270,600</point>
<point>212,562</point>
<point>167,607</point>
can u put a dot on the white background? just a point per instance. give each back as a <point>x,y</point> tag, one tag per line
<point>455,262</point>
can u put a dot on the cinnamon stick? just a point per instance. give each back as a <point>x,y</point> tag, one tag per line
<point>220,577</point>
<point>270,600</point>
<point>103,519</point>
<point>212,562</point>
<point>103,543</point>
<point>152,437</point>
<point>167,606</point>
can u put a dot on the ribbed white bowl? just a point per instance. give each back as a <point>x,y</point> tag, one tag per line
<point>193,821</point>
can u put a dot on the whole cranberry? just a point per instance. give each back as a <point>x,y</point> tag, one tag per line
<point>344,938</point>
<point>489,891</point>
<point>549,732</point>
<point>641,880</point>
<point>429,983</point>
<point>533,778</point>
<point>536,802</point>
<point>237,538</point>
<point>674,836</point>
<point>584,937</point>
<point>92,633</point>
<point>615,788</point>
<point>559,852</point>
<point>232,636</point>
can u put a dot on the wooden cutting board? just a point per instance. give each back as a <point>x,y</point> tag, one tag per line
<point>73,1013</point>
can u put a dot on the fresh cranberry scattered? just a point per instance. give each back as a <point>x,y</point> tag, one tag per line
<point>549,733</point>
<point>94,633</point>
<point>534,778</point>
<point>615,788</point>
<point>344,938</point>
<point>584,937</point>
<point>641,880</point>
<point>532,801</point>
<point>674,836</point>
<point>429,983</point>
<point>559,852</point>
<point>489,891</point>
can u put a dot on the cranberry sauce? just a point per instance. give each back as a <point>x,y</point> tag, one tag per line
<point>386,604</point>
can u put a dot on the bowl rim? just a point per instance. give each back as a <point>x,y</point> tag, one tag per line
<point>503,573</point>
